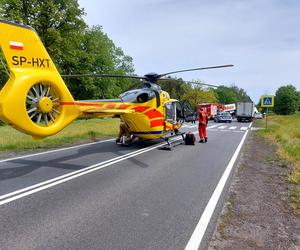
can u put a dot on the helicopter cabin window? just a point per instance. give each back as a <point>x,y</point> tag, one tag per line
<point>137,95</point>
<point>171,111</point>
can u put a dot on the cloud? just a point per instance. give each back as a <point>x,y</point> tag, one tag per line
<point>260,37</point>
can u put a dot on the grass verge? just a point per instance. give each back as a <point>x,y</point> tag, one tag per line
<point>226,217</point>
<point>285,133</point>
<point>13,140</point>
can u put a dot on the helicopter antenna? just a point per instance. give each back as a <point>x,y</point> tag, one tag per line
<point>185,70</point>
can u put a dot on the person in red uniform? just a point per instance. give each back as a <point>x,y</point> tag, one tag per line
<point>203,120</point>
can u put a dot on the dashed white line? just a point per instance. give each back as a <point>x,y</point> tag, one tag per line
<point>214,126</point>
<point>243,128</point>
<point>222,127</point>
<point>233,127</point>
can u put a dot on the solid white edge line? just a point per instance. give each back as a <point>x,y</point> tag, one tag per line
<point>64,178</point>
<point>55,150</point>
<point>200,229</point>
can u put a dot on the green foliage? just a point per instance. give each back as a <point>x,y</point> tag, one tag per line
<point>176,88</point>
<point>98,54</point>
<point>74,47</point>
<point>284,132</point>
<point>4,74</point>
<point>198,95</point>
<point>286,100</point>
<point>233,94</point>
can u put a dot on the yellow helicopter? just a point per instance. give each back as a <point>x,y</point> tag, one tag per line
<point>36,101</point>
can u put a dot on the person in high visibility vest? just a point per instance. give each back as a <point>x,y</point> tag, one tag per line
<point>203,120</point>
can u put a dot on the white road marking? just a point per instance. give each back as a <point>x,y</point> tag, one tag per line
<point>222,127</point>
<point>255,128</point>
<point>64,178</point>
<point>233,127</point>
<point>200,229</point>
<point>226,130</point>
<point>191,126</point>
<point>214,126</point>
<point>55,150</point>
<point>243,128</point>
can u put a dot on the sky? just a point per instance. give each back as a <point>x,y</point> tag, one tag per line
<point>260,37</point>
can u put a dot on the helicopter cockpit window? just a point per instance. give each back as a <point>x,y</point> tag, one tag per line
<point>137,95</point>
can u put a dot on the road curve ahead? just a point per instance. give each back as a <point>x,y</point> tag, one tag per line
<point>103,196</point>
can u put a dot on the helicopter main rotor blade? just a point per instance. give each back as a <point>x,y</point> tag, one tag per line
<point>189,82</point>
<point>185,70</point>
<point>204,84</point>
<point>102,75</point>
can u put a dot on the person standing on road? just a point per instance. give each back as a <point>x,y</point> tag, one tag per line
<point>194,118</point>
<point>203,120</point>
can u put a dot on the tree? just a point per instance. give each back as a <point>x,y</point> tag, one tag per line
<point>286,100</point>
<point>231,94</point>
<point>226,95</point>
<point>74,47</point>
<point>175,87</point>
<point>4,74</point>
<point>198,95</point>
<point>98,54</point>
<point>298,100</point>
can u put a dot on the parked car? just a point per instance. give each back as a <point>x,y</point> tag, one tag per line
<point>258,115</point>
<point>223,117</point>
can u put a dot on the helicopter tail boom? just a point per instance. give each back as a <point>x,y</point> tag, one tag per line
<point>31,99</point>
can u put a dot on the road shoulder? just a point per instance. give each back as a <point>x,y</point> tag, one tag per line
<point>256,215</point>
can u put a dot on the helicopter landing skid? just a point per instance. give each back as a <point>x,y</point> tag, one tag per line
<point>173,143</point>
<point>125,141</point>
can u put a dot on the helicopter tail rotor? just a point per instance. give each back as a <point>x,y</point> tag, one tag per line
<point>31,100</point>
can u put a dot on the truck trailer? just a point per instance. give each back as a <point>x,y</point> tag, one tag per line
<point>245,111</point>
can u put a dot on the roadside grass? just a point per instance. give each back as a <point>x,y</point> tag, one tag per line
<point>226,217</point>
<point>79,130</point>
<point>284,131</point>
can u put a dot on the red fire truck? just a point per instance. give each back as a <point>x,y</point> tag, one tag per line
<point>211,109</point>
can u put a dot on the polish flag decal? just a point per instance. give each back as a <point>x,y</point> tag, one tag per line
<point>16,45</point>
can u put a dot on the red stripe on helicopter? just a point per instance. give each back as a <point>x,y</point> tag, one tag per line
<point>82,104</point>
<point>110,106</point>
<point>123,106</point>
<point>140,108</point>
<point>154,114</point>
<point>156,123</point>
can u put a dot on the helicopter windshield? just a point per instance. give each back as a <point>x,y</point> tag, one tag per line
<point>137,95</point>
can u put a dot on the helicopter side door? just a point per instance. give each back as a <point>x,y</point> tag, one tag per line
<point>174,112</point>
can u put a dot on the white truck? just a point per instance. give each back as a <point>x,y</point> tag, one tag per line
<point>245,111</point>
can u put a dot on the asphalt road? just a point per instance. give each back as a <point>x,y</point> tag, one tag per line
<point>104,196</point>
